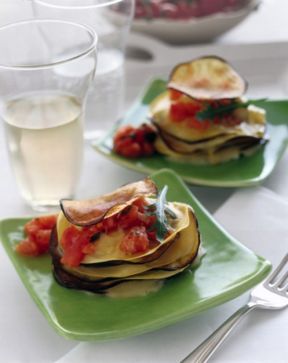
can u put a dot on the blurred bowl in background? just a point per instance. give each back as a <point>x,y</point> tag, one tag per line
<point>190,21</point>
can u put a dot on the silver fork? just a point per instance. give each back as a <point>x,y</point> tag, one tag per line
<point>272,293</point>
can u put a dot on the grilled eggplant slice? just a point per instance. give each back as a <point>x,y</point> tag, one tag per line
<point>253,125</point>
<point>204,157</point>
<point>215,145</point>
<point>177,249</point>
<point>181,249</point>
<point>89,212</point>
<point>207,78</point>
<point>108,251</point>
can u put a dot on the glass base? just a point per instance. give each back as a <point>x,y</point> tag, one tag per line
<point>46,206</point>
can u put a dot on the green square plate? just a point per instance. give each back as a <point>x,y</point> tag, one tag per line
<point>226,271</point>
<point>236,173</point>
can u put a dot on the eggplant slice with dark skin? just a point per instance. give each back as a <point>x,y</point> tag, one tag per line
<point>92,211</point>
<point>186,148</point>
<point>93,278</point>
<point>217,145</point>
<point>207,78</point>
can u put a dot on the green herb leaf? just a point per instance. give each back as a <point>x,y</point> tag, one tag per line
<point>160,210</point>
<point>161,224</point>
<point>170,213</point>
<point>210,112</point>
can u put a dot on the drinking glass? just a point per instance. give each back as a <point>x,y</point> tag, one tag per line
<point>42,104</point>
<point>111,21</point>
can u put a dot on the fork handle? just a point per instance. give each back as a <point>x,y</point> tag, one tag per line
<point>204,351</point>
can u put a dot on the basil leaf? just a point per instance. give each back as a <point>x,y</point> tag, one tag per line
<point>170,213</point>
<point>161,224</point>
<point>210,112</point>
<point>160,210</point>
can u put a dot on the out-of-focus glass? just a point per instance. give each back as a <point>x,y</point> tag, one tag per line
<point>111,20</point>
<point>42,105</point>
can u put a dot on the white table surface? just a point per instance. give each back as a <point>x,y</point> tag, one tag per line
<point>32,339</point>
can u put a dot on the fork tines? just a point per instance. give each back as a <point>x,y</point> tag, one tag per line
<point>279,277</point>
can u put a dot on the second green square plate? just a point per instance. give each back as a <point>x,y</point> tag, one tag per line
<point>236,173</point>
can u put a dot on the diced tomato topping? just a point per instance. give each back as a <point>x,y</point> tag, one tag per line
<point>175,95</point>
<point>177,112</point>
<point>134,142</point>
<point>152,236</point>
<point>95,228</point>
<point>140,203</point>
<point>43,239</point>
<point>184,110</point>
<point>187,112</point>
<point>135,241</point>
<point>38,232</point>
<point>148,148</point>
<point>77,243</point>
<point>27,248</point>
<point>74,242</point>
<point>149,221</point>
<point>89,249</point>
<point>47,222</point>
<point>109,225</point>
<point>132,150</point>
<point>136,216</point>
<point>130,217</point>
<point>31,228</point>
